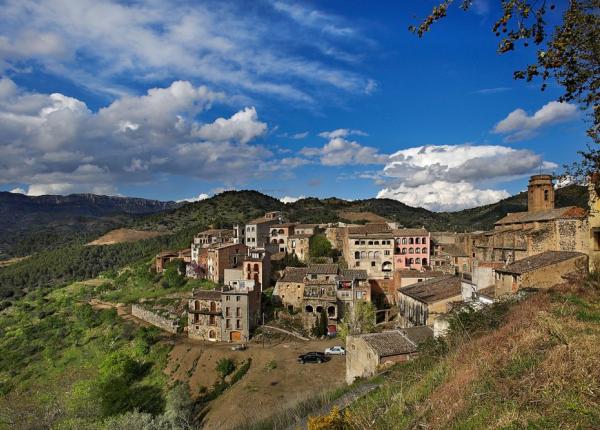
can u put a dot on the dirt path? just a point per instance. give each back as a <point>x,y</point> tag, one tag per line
<point>291,333</point>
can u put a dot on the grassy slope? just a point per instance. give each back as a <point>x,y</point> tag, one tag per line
<point>538,370</point>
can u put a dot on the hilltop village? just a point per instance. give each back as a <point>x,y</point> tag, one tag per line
<point>317,279</point>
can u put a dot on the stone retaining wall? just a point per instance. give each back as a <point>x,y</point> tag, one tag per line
<point>169,324</point>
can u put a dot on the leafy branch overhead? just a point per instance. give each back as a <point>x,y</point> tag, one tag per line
<point>569,53</point>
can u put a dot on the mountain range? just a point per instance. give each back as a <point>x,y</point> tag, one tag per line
<point>31,224</point>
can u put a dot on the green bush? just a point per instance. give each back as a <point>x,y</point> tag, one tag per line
<point>225,366</point>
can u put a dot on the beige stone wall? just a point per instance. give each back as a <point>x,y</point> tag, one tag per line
<point>372,257</point>
<point>200,326</point>
<point>414,312</point>
<point>594,229</point>
<point>290,293</point>
<point>169,324</point>
<point>361,360</point>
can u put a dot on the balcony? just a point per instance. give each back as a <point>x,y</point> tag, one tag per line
<point>204,311</point>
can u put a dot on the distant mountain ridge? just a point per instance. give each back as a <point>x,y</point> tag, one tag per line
<point>32,223</point>
<point>29,224</point>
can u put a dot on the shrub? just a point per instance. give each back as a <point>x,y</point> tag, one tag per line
<point>225,366</point>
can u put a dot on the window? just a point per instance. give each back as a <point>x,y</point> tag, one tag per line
<point>226,298</point>
<point>424,240</point>
<point>411,241</point>
<point>403,250</point>
<point>387,252</point>
<point>372,264</point>
<point>362,242</point>
<point>403,241</point>
<point>357,242</point>
<point>417,240</point>
<point>376,242</point>
<point>356,255</point>
<point>418,261</point>
<point>424,250</point>
<point>227,312</point>
<point>238,312</point>
<point>238,324</point>
<point>546,194</point>
<point>357,264</point>
<point>370,242</point>
<point>237,298</point>
<point>411,250</point>
<point>227,323</point>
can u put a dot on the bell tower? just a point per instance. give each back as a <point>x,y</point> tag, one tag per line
<point>540,194</point>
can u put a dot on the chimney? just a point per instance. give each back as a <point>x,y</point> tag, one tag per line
<point>540,194</point>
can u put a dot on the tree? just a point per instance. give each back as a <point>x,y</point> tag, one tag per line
<point>358,319</point>
<point>570,53</point>
<point>319,246</point>
<point>225,366</point>
<point>323,323</point>
<point>173,276</point>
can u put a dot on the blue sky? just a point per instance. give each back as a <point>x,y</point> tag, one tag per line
<point>176,100</point>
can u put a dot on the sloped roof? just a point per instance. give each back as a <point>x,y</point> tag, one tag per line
<point>389,343</point>
<point>547,215</point>
<point>370,229</point>
<point>352,274</point>
<point>322,269</point>
<point>418,334</point>
<point>307,226</point>
<point>412,273</point>
<point>406,232</point>
<point>434,289</point>
<point>207,294</point>
<point>294,274</point>
<point>538,261</point>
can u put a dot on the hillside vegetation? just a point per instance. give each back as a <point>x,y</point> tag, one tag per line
<point>526,365</point>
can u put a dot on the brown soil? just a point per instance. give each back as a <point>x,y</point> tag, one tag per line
<point>362,216</point>
<point>122,235</point>
<point>5,263</point>
<point>262,392</point>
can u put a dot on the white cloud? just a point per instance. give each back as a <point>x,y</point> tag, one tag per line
<point>341,132</point>
<point>446,177</point>
<point>298,136</point>
<point>18,190</point>
<point>518,125</point>
<point>339,151</point>
<point>242,126</point>
<point>443,196</point>
<point>199,197</point>
<point>289,199</point>
<point>92,42</point>
<point>55,144</point>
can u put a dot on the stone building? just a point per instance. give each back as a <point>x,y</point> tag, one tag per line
<point>421,303</point>
<point>228,314</point>
<point>594,223</point>
<point>404,278</point>
<point>279,234</point>
<point>207,238</point>
<point>257,234</point>
<point>289,290</point>
<point>166,319</point>
<point>257,267</point>
<point>306,229</point>
<point>543,270</point>
<point>368,353</point>
<point>299,245</point>
<point>412,248</point>
<point>370,247</point>
<point>541,228</point>
<point>165,257</point>
<point>223,256</point>
<point>205,315</point>
<point>241,310</point>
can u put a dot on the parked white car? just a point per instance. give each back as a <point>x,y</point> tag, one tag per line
<point>335,350</point>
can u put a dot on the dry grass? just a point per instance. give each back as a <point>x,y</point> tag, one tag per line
<point>538,370</point>
<point>122,235</point>
<point>361,216</point>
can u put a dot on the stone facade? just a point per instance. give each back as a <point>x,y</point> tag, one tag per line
<point>539,271</point>
<point>221,257</point>
<point>279,234</point>
<point>257,267</point>
<point>241,310</point>
<point>205,315</point>
<point>162,319</point>
<point>299,245</point>
<point>371,248</point>
<point>258,231</point>
<point>594,224</point>
<point>421,303</point>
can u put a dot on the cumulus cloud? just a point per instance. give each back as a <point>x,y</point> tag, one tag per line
<point>339,151</point>
<point>518,125</point>
<point>199,197</point>
<point>56,144</point>
<point>443,196</point>
<point>221,43</point>
<point>289,199</point>
<point>243,126</point>
<point>444,177</point>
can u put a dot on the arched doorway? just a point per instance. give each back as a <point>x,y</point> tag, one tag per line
<point>331,311</point>
<point>309,309</point>
<point>212,335</point>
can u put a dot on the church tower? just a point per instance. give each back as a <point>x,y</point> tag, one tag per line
<point>540,194</point>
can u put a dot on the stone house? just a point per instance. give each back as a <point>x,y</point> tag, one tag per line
<point>223,256</point>
<point>257,267</point>
<point>207,238</point>
<point>299,245</point>
<point>289,289</point>
<point>421,303</point>
<point>370,247</point>
<point>404,278</point>
<point>165,257</point>
<point>306,229</point>
<point>241,310</point>
<point>205,315</point>
<point>541,228</point>
<point>257,234</point>
<point>543,270</point>
<point>162,316</point>
<point>279,234</point>
<point>368,353</point>
<point>411,248</point>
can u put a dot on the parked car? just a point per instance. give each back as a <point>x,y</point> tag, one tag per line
<point>312,357</point>
<point>335,350</point>
<point>239,347</point>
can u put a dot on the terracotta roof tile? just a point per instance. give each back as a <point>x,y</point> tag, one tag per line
<point>434,289</point>
<point>538,261</point>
